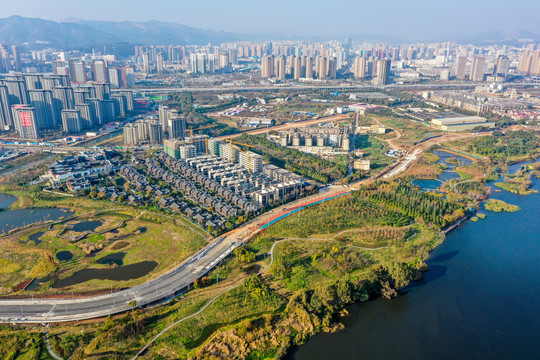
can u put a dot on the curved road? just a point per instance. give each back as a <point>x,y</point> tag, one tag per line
<point>154,291</point>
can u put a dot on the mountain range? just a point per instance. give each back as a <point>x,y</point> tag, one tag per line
<point>84,34</point>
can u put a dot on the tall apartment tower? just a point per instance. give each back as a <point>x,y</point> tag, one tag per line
<point>99,71</point>
<point>159,62</point>
<point>42,101</point>
<point>71,121</point>
<point>163,116</point>
<point>146,63</point>
<point>478,68</point>
<point>16,58</point>
<point>297,66</point>
<point>524,63</point>
<point>383,72</point>
<point>267,66</point>
<point>85,114</point>
<point>16,89</point>
<point>309,68</point>
<point>26,122</point>
<point>176,127</point>
<point>131,134</point>
<point>503,63</point>
<point>281,71</point>
<point>461,67</point>
<point>535,64</point>
<point>359,67</point>
<point>6,118</point>
<point>78,72</point>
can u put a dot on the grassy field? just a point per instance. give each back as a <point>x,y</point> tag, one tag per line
<point>32,254</point>
<point>305,290</point>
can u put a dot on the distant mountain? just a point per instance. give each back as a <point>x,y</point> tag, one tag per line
<point>20,30</point>
<point>85,33</point>
<point>509,37</point>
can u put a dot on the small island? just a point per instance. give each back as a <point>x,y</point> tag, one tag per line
<point>499,205</point>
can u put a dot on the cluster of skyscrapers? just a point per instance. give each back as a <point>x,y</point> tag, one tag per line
<point>34,103</point>
<point>77,71</point>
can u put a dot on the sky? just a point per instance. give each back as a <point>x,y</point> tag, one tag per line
<point>404,19</point>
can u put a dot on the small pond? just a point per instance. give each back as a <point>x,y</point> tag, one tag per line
<point>90,225</point>
<point>116,258</point>
<point>119,273</point>
<point>64,255</point>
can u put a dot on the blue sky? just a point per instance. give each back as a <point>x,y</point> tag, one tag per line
<point>416,19</point>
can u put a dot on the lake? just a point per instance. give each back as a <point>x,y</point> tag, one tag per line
<point>11,219</point>
<point>479,301</point>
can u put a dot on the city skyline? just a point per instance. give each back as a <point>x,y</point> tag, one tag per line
<point>421,21</point>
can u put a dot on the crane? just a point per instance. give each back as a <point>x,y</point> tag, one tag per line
<point>245,152</point>
<point>205,143</point>
<point>200,128</point>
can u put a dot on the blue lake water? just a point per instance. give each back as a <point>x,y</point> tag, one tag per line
<point>479,301</point>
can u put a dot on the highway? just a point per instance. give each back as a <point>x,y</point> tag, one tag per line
<point>426,86</point>
<point>151,292</point>
<point>161,288</point>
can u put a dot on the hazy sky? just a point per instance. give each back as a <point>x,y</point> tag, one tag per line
<point>418,19</point>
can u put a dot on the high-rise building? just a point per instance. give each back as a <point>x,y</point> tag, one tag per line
<point>383,72</point>
<point>115,77</point>
<point>85,115</point>
<point>176,127</point>
<point>78,72</point>
<point>49,82</point>
<point>26,122</point>
<point>524,63</point>
<point>80,95</point>
<point>214,146</point>
<point>146,63</point>
<point>6,118</point>
<point>16,58</point>
<point>131,134</point>
<point>297,66</point>
<point>155,133</point>
<point>535,64</point>
<point>503,63</point>
<point>281,67</point>
<point>309,68</point>
<point>63,98</point>
<point>461,67</point>
<point>163,113</point>
<point>159,63</point>
<point>95,110</point>
<point>71,121</point>
<point>119,105</point>
<point>108,110</point>
<point>32,81</point>
<point>128,76</point>
<point>478,68</point>
<point>99,71</point>
<point>187,151</point>
<point>199,141</point>
<point>16,88</point>
<point>332,67</point>
<point>251,161</point>
<point>267,66</point>
<point>359,67</point>
<point>229,152</point>
<point>103,90</point>
<point>128,99</point>
<point>42,101</point>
